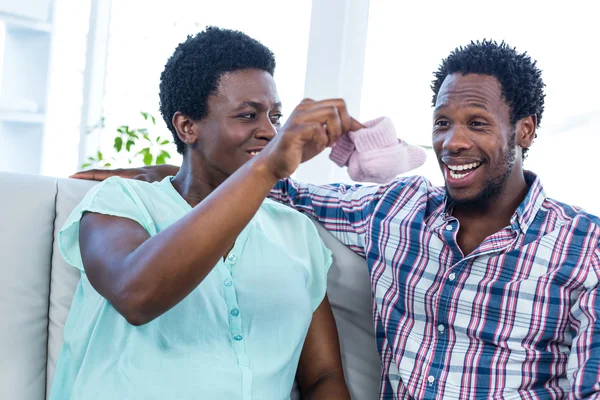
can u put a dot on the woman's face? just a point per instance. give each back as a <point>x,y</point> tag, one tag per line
<point>243,116</point>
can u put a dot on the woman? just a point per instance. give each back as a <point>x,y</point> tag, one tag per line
<point>197,287</point>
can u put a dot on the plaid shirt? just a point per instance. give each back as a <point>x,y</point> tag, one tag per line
<point>517,318</point>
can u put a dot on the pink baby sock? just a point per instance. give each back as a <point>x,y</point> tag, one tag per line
<point>375,154</point>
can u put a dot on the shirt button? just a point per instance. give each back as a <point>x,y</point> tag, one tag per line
<point>235,312</point>
<point>452,277</point>
<point>448,227</point>
<point>238,337</point>
<point>431,379</point>
<point>227,282</point>
<point>232,257</point>
<point>441,328</point>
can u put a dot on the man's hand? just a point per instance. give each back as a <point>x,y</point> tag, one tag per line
<point>312,126</point>
<point>152,173</point>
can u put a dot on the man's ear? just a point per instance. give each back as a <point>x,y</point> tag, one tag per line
<point>525,131</point>
<point>185,127</point>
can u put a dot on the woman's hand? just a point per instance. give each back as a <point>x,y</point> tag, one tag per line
<point>313,126</point>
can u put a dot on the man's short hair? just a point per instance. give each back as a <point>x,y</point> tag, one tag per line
<point>520,78</point>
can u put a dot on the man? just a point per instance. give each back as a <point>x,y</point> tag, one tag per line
<point>484,288</point>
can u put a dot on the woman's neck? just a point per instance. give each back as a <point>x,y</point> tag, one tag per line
<point>194,182</point>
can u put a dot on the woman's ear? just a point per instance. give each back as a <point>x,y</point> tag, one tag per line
<point>185,127</point>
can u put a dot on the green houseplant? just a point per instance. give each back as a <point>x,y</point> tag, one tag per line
<point>132,146</point>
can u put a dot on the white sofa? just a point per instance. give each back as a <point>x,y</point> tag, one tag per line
<point>36,288</point>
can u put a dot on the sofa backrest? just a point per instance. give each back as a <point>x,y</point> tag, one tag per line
<point>63,278</point>
<point>37,286</point>
<point>27,215</point>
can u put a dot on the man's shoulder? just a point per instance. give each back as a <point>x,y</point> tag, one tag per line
<point>580,222</point>
<point>416,185</point>
<point>570,213</point>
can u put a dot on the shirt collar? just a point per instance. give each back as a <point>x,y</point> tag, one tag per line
<point>526,211</point>
<point>529,207</point>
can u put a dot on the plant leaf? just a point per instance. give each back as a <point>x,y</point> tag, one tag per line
<point>164,142</point>
<point>158,139</point>
<point>122,129</point>
<point>129,144</point>
<point>148,158</point>
<point>83,166</point>
<point>145,115</point>
<point>142,130</point>
<point>147,137</point>
<point>91,159</point>
<point>153,120</point>
<point>165,154</point>
<point>107,165</point>
<point>160,160</point>
<point>118,144</point>
<point>99,155</point>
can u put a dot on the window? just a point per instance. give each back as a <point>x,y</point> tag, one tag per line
<point>407,41</point>
<point>65,95</point>
<point>2,36</point>
<point>144,34</point>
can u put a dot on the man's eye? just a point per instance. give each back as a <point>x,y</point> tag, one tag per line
<point>276,118</point>
<point>441,124</point>
<point>478,123</point>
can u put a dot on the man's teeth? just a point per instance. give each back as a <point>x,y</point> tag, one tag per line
<point>463,167</point>
<point>456,175</point>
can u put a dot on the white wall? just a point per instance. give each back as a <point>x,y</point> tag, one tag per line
<point>34,9</point>
<point>407,41</point>
<point>378,55</point>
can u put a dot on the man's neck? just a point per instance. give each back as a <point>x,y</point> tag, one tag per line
<point>477,222</point>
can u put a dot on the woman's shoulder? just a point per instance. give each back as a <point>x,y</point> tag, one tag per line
<point>284,221</point>
<point>128,184</point>
<point>283,211</point>
<point>120,189</point>
<point>118,197</point>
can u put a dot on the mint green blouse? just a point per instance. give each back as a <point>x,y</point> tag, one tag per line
<point>238,335</point>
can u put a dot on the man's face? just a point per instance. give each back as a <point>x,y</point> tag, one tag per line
<point>473,138</point>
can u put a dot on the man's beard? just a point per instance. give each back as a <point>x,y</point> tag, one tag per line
<point>492,187</point>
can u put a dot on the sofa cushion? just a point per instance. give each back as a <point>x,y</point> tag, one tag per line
<point>349,292</point>
<point>27,214</point>
<point>64,278</point>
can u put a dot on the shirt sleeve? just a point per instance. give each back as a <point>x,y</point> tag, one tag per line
<point>114,196</point>
<point>344,210</point>
<point>583,368</point>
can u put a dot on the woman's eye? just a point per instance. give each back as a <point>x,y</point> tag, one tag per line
<point>478,123</point>
<point>247,116</point>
